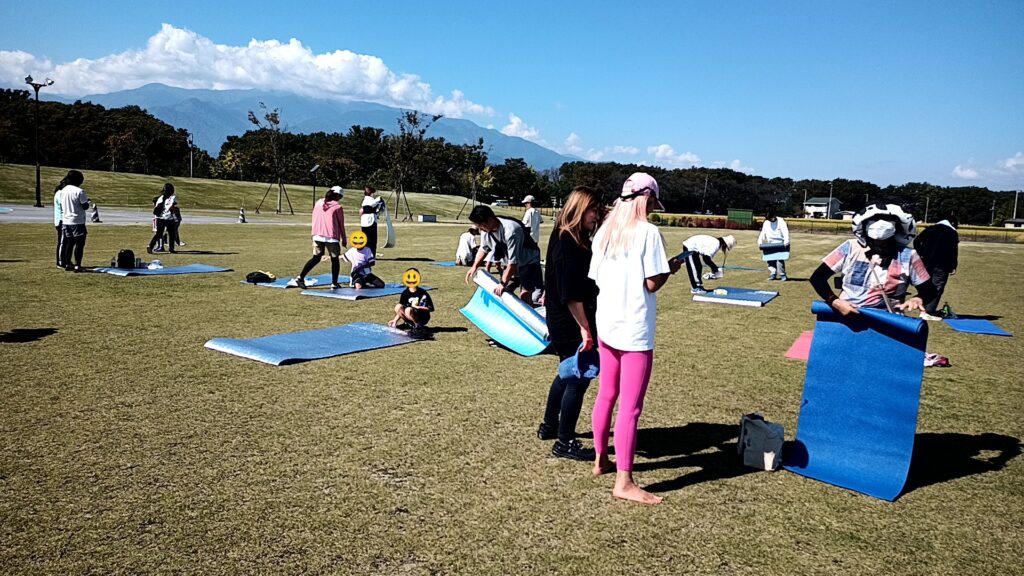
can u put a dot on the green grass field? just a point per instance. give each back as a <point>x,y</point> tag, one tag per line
<point>129,448</point>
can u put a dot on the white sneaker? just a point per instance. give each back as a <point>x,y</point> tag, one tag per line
<point>929,317</point>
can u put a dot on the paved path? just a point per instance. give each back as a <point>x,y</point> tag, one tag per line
<point>123,216</point>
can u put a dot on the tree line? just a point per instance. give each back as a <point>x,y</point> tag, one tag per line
<point>129,139</point>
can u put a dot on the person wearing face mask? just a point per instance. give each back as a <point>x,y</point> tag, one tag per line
<point>877,266</point>
<point>774,238</point>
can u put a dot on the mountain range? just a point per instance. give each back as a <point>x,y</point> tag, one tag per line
<point>213,115</point>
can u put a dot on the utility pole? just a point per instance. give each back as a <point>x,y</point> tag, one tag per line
<point>992,220</point>
<point>36,86</point>
<point>1015,195</point>
<point>828,207</point>
<point>927,201</point>
<point>190,146</point>
<point>705,194</point>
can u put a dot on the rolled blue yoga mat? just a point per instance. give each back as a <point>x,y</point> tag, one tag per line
<point>169,270</point>
<point>858,416</point>
<point>292,347</point>
<point>493,317</point>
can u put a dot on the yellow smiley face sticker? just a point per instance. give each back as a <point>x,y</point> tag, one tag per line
<point>411,278</point>
<point>357,239</point>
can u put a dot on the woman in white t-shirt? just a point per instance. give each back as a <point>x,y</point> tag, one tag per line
<point>465,253</point>
<point>629,265</point>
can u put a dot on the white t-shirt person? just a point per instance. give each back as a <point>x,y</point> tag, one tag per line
<point>465,253</point>
<point>703,244</point>
<point>370,206</point>
<point>626,310</point>
<point>532,220</point>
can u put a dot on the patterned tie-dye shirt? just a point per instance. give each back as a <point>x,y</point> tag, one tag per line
<point>863,280</point>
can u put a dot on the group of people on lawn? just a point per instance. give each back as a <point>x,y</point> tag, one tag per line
<point>603,271</point>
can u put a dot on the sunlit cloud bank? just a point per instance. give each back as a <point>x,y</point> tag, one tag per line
<point>184,59</point>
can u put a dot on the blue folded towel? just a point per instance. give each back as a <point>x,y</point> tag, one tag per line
<point>581,365</point>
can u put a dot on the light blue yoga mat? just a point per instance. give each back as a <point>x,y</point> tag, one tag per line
<point>322,281</point>
<point>975,326</point>
<point>775,256</point>
<point>858,416</point>
<point>445,264</point>
<point>280,349</point>
<point>493,318</point>
<point>389,289</point>
<point>738,297</point>
<point>169,270</point>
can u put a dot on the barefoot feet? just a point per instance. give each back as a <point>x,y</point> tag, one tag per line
<point>626,489</point>
<point>602,465</point>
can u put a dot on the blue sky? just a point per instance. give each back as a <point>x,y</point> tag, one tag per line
<point>888,92</point>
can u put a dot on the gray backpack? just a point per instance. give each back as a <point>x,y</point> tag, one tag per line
<point>760,443</point>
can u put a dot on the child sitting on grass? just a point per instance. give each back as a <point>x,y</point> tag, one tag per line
<point>362,260</point>
<point>414,305</point>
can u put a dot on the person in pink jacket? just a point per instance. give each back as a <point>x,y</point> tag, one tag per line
<point>328,235</point>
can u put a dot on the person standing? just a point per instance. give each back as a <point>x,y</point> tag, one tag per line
<point>532,218</point>
<point>629,266</point>
<point>368,211</point>
<point>702,248</point>
<point>774,234</point>
<point>571,301</point>
<point>878,266</point>
<point>328,232</point>
<point>938,247</point>
<point>164,218</point>
<point>73,206</point>
<point>58,221</point>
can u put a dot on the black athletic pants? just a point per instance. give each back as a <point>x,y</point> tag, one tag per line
<point>371,237</point>
<point>73,246</point>
<point>162,226</point>
<point>565,399</point>
<point>693,267</point>
<point>60,245</point>
<point>939,279</point>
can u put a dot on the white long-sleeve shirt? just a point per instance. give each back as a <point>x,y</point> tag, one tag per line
<point>774,232</point>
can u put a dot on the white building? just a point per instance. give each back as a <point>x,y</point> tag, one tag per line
<point>821,208</point>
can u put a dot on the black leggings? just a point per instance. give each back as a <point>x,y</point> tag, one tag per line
<point>335,266</point>
<point>371,237</point>
<point>565,400</point>
<point>60,245</point>
<point>161,227</point>
<point>73,247</point>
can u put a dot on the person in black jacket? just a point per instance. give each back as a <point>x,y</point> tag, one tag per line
<point>571,300</point>
<point>937,246</point>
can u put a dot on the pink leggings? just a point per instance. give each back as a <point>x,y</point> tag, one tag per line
<point>624,377</point>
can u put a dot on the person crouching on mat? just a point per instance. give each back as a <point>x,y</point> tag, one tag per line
<point>629,266</point>
<point>703,247</point>
<point>571,299</point>
<point>328,235</point>
<point>361,257</point>
<point>877,266</point>
<point>414,305</point>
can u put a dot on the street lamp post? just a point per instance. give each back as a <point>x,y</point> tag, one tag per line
<point>191,145</point>
<point>36,86</point>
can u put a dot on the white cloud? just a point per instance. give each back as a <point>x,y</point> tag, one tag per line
<point>627,150</point>
<point>736,165</point>
<point>663,153</point>
<point>516,127</point>
<point>1014,164</point>
<point>965,173</point>
<point>182,58</point>
<point>573,144</point>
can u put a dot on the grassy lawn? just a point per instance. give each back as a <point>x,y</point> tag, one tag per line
<point>129,448</point>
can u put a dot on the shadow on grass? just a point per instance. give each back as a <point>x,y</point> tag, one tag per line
<point>202,252</point>
<point>977,316</point>
<point>940,457</point>
<point>11,261</point>
<point>406,259</point>
<point>708,446</point>
<point>22,335</point>
<point>440,329</point>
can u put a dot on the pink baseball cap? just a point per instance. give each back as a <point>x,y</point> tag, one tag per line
<point>641,183</point>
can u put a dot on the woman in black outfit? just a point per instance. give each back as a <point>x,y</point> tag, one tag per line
<point>571,301</point>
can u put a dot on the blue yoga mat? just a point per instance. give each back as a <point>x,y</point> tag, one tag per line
<point>493,318</point>
<point>187,269</point>
<point>775,256</point>
<point>738,297</point>
<point>389,289</point>
<point>321,281</point>
<point>858,416</point>
<point>975,326</point>
<point>445,264</point>
<point>293,347</point>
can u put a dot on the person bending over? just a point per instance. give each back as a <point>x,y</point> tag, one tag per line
<point>877,266</point>
<point>938,246</point>
<point>702,248</point>
<point>508,240</point>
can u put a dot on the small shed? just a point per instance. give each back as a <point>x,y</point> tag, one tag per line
<point>1014,223</point>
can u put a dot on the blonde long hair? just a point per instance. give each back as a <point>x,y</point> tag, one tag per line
<point>570,218</point>
<point>616,233</point>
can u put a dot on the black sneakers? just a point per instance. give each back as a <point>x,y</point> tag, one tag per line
<point>573,450</point>
<point>545,432</point>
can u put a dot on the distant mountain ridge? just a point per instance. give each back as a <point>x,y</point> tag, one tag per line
<point>213,115</point>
